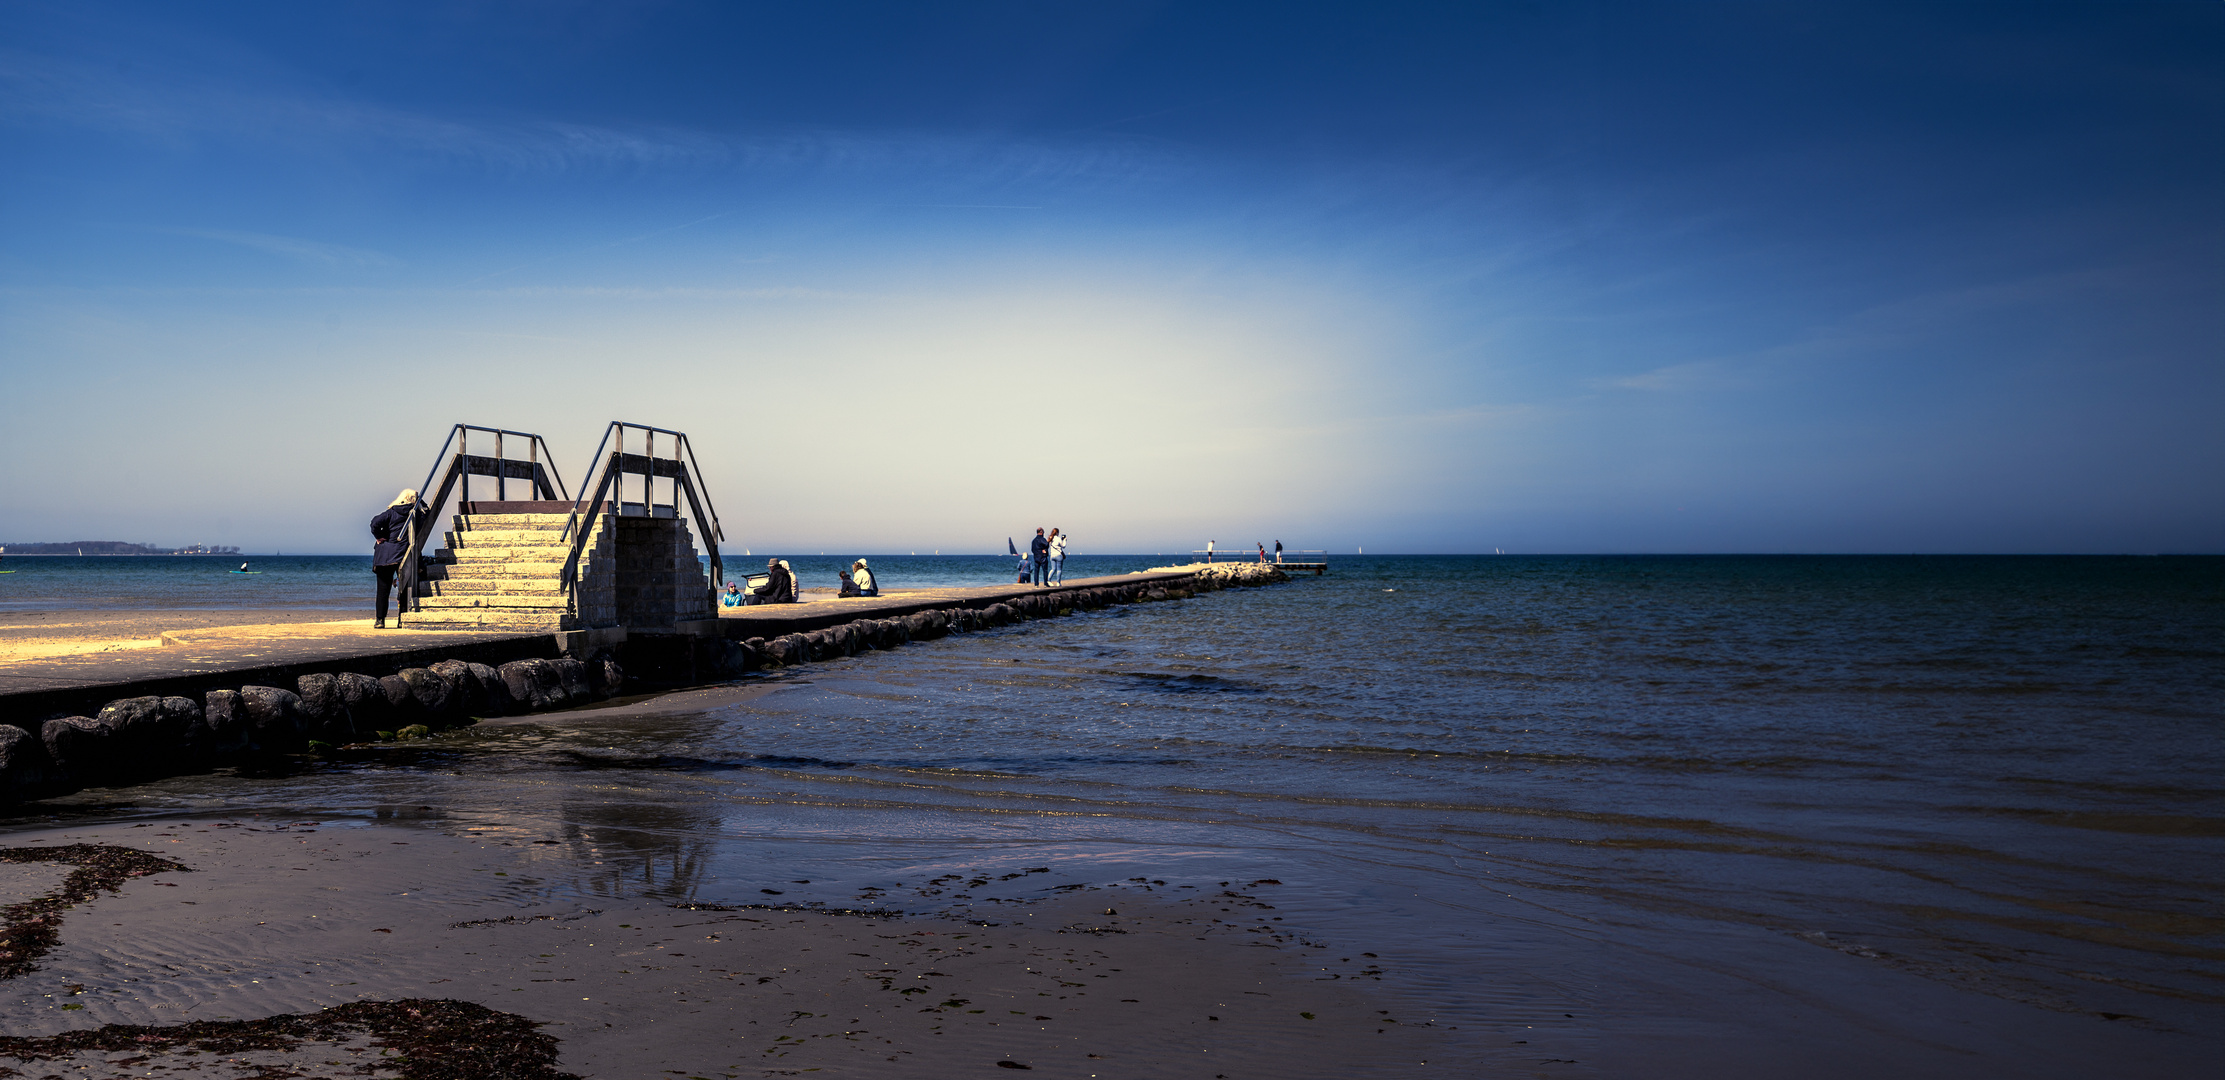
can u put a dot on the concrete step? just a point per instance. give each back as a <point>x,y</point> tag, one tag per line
<point>542,567</point>
<point>431,620</point>
<point>490,553</point>
<point>497,586</point>
<point>514,521</point>
<point>497,602</point>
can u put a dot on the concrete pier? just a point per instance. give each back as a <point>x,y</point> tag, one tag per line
<point>220,694</point>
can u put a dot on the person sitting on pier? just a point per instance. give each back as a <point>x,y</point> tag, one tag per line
<point>861,580</point>
<point>390,535</point>
<point>779,586</point>
<point>733,596</point>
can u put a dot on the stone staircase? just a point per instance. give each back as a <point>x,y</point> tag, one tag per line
<point>503,572</point>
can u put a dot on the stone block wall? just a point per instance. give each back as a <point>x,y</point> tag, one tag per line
<point>657,579</point>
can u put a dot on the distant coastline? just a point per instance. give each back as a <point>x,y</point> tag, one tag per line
<point>112,547</point>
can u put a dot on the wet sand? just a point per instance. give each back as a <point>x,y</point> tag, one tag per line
<point>273,917</point>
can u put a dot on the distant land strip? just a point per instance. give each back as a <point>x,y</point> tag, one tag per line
<point>111,547</point>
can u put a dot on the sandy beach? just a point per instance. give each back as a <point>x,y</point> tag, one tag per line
<point>269,918</point>
<point>32,635</point>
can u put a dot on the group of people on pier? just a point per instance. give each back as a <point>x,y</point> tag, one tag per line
<point>781,587</point>
<point>1044,562</point>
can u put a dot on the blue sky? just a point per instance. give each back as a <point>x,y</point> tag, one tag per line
<point>1540,277</point>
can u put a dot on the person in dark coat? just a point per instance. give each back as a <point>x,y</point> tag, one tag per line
<point>1040,549</point>
<point>390,536</point>
<point>778,588</point>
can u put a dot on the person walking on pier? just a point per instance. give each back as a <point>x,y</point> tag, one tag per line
<point>390,537</point>
<point>1058,557</point>
<point>1039,550</point>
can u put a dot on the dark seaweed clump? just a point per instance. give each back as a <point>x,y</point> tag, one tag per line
<point>435,1039</point>
<point>29,929</point>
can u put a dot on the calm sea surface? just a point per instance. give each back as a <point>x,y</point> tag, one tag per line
<point>1838,815</point>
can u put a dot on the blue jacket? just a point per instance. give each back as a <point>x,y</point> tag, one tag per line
<point>1040,548</point>
<point>391,531</point>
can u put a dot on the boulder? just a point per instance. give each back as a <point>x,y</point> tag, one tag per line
<point>605,678</point>
<point>225,716</point>
<point>755,649</point>
<point>533,684</point>
<point>364,698</point>
<point>571,677</point>
<point>496,690</point>
<point>274,718</point>
<point>321,704</point>
<point>467,696</point>
<point>83,748</point>
<point>401,705</point>
<point>27,771</point>
<point>435,697</point>
<point>151,734</point>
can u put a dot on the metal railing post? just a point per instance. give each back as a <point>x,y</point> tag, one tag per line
<point>501,473</point>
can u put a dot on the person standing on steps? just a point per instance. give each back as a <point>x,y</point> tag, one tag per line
<point>390,536</point>
<point>1039,550</point>
<point>1058,557</point>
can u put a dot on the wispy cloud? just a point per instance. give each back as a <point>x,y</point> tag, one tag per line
<point>311,252</point>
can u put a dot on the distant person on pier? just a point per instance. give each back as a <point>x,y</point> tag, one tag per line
<point>1209,551</point>
<point>733,596</point>
<point>1262,552</point>
<point>862,581</point>
<point>779,586</point>
<point>1058,557</point>
<point>1278,552</point>
<point>1039,550</point>
<point>390,536</point>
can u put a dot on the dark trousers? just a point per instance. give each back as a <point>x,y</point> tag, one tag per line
<point>386,585</point>
<point>1042,571</point>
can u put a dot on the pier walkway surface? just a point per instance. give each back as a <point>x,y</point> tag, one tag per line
<point>192,662</point>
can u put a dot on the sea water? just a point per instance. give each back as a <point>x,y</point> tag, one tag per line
<point>1638,815</point>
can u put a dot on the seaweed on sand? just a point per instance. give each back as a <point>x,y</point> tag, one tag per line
<point>432,1039</point>
<point>29,929</point>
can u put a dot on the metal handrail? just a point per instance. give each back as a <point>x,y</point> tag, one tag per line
<point>687,476</point>
<point>462,466</point>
